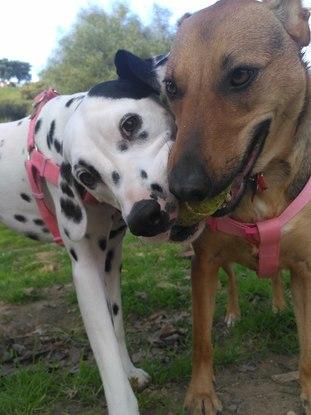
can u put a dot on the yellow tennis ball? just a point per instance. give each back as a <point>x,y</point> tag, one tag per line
<point>191,213</point>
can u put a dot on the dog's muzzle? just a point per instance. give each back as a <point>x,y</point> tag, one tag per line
<point>147,219</point>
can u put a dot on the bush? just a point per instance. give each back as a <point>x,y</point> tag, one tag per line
<point>11,109</point>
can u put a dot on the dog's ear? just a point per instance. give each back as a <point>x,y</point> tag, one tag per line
<point>183,18</point>
<point>135,69</point>
<point>294,18</point>
<point>71,211</point>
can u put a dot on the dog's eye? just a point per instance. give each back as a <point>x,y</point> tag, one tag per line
<point>87,179</point>
<point>170,89</point>
<point>129,124</point>
<point>241,77</point>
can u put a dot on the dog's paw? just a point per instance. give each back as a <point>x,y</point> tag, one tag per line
<point>231,319</point>
<point>139,378</point>
<point>202,404</point>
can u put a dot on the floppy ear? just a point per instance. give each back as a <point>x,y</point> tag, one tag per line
<point>294,18</point>
<point>71,211</point>
<point>135,69</point>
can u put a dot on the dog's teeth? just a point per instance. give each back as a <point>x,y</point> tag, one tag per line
<point>228,197</point>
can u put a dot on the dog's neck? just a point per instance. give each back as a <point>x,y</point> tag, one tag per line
<point>287,173</point>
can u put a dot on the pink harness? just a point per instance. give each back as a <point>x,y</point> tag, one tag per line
<point>39,167</point>
<point>266,234</point>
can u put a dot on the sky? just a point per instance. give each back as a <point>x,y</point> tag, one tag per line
<point>30,30</point>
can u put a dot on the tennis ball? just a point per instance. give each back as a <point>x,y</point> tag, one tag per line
<point>191,213</point>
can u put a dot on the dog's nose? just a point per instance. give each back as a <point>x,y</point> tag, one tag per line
<point>189,183</point>
<point>147,219</point>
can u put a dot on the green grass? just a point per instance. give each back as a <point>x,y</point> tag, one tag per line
<point>154,278</point>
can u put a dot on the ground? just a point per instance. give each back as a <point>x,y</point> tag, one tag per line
<point>46,365</point>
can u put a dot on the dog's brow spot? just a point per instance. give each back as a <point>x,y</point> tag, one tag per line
<point>73,254</point>
<point>143,174</point>
<point>108,262</point>
<point>20,218</point>
<point>102,243</point>
<point>156,187</point>
<point>123,146</point>
<point>144,135</point>
<point>115,177</point>
<point>26,197</point>
<point>66,189</point>
<point>38,222</point>
<point>37,126</point>
<point>33,236</point>
<point>115,309</point>
<point>71,210</point>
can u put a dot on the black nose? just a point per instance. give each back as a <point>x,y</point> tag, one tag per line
<point>189,181</point>
<point>147,219</point>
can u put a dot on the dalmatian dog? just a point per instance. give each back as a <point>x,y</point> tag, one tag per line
<point>113,143</point>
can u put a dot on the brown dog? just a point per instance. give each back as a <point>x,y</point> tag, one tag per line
<point>235,74</point>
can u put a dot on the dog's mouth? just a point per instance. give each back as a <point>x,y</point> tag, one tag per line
<point>239,184</point>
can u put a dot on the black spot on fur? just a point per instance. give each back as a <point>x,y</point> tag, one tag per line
<point>102,243</point>
<point>115,309</point>
<point>38,222</point>
<point>50,135</point>
<point>120,88</point>
<point>20,218</point>
<point>33,236</point>
<point>144,135</point>
<point>157,188</point>
<point>109,258</point>
<point>66,189</point>
<point>26,197</point>
<point>73,254</point>
<point>65,172</point>
<point>20,122</point>
<point>116,232</point>
<point>71,210</point>
<point>143,174</point>
<point>37,126</point>
<point>123,146</point>
<point>68,103</point>
<point>115,177</point>
<point>45,230</point>
<point>58,147</point>
<point>66,232</point>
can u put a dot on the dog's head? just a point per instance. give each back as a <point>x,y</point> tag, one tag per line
<point>235,81</point>
<point>116,147</point>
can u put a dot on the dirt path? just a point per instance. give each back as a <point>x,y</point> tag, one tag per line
<point>40,330</point>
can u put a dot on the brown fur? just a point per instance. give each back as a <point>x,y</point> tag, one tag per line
<point>216,125</point>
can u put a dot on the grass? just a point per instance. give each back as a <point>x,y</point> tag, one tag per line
<point>154,278</point>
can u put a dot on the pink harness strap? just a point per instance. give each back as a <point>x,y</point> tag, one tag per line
<point>265,234</point>
<point>39,167</point>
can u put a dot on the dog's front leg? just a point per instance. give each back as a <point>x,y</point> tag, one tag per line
<point>201,398</point>
<point>112,274</point>
<point>301,290</point>
<point>98,324</point>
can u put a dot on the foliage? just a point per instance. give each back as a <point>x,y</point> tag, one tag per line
<point>12,105</point>
<point>14,69</point>
<point>31,89</point>
<point>85,56</point>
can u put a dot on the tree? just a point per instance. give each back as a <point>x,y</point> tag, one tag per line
<point>85,56</point>
<point>14,69</point>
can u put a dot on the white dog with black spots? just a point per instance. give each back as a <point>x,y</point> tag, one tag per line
<point>112,142</point>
